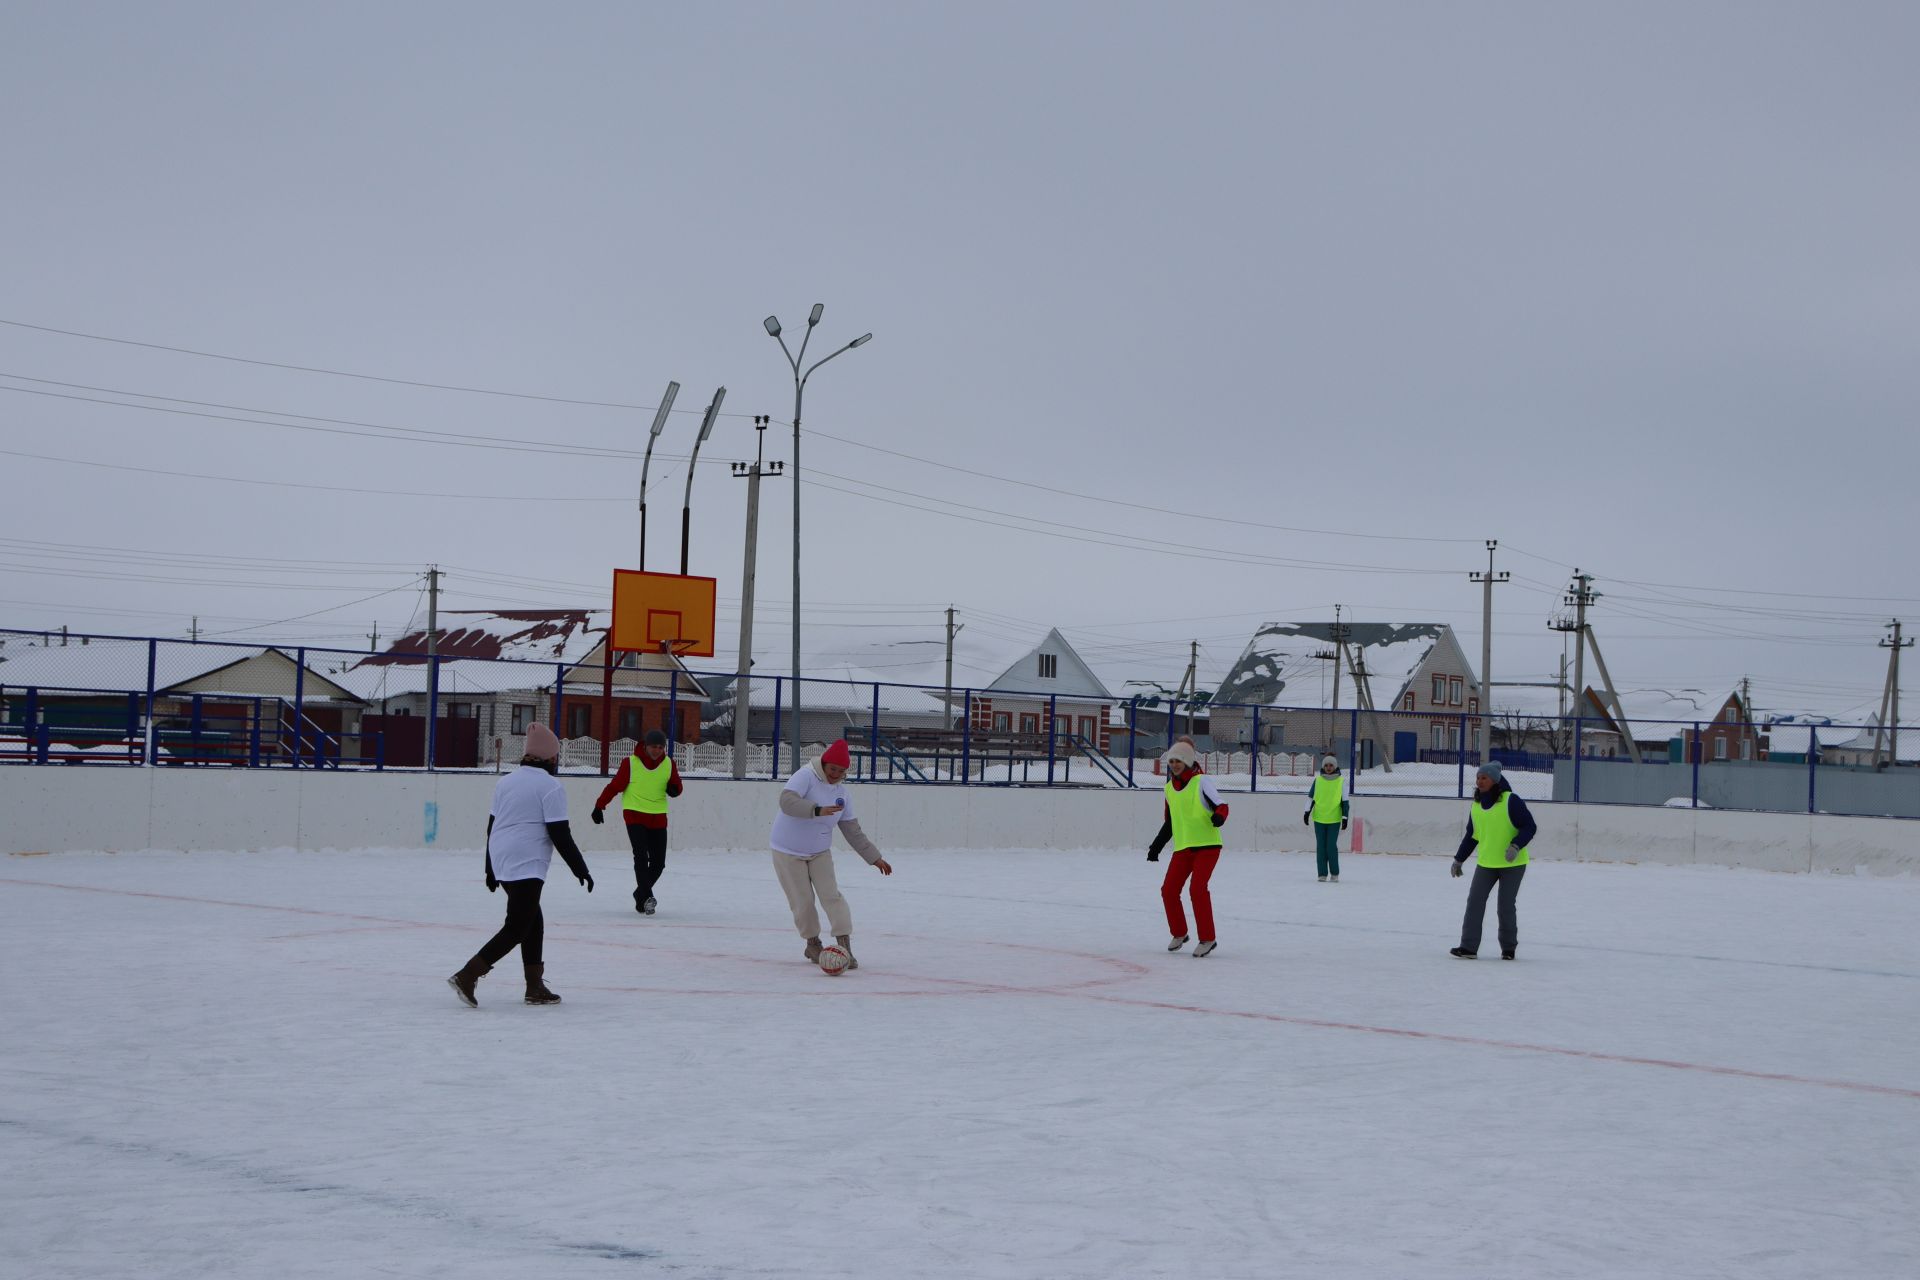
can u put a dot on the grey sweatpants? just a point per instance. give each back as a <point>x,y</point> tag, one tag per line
<point>1484,879</point>
<point>804,878</point>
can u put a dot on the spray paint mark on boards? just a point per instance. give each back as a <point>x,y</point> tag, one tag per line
<point>432,821</point>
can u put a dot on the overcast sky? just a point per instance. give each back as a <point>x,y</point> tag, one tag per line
<point>1265,307</point>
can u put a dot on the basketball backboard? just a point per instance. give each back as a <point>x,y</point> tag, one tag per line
<point>652,610</point>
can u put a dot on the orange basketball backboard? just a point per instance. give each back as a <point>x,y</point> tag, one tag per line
<point>655,609</point>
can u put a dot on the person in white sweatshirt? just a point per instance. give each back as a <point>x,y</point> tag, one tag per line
<point>812,805</point>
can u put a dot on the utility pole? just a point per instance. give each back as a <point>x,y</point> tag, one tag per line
<point>1191,681</point>
<point>952,631</point>
<point>433,653</point>
<point>1487,580</point>
<point>1891,700</point>
<point>1579,595</point>
<point>743,675</point>
<point>193,631</point>
<point>373,639</point>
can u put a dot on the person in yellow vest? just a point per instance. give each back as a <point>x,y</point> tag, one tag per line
<point>1327,814</point>
<point>646,781</point>
<point>1499,829</point>
<point>1194,815</point>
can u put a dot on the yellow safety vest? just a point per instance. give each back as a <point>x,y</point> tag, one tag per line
<point>1493,831</point>
<point>647,787</point>
<point>1192,822</point>
<point>1327,794</point>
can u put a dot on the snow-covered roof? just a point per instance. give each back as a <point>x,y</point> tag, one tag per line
<point>1861,738</point>
<point>1283,666</point>
<point>508,649</point>
<point>842,686</point>
<point>121,666</point>
<point>981,661</point>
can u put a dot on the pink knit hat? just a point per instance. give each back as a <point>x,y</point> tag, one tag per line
<point>541,744</point>
<point>837,754</point>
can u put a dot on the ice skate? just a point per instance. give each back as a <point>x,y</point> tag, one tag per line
<point>1204,949</point>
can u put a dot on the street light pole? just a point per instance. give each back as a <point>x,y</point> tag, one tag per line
<point>799,390</point>
<point>659,425</point>
<point>686,503</point>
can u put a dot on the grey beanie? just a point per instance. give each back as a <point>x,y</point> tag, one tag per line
<point>1328,760</point>
<point>655,738</point>
<point>1491,769</point>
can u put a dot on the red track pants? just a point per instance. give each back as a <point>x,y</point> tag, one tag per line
<point>1199,864</point>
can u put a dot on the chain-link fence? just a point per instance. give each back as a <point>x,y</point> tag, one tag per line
<point>122,700</point>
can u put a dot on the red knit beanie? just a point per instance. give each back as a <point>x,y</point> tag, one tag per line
<point>837,754</point>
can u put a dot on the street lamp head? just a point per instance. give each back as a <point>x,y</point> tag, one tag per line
<point>814,318</point>
<point>863,338</point>
<point>773,326</point>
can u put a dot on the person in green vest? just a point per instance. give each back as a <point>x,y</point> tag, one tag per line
<point>1500,827</point>
<point>647,780</point>
<point>1327,814</point>
<point>1194,814</point>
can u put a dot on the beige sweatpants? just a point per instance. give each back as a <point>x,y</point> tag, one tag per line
<point>801,879</point>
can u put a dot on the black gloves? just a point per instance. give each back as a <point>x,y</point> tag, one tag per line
<point>492,884</point>
<point>1219,819</point>
<point>1153,854</point>
<point>1306,819</point>
<point>1456,868</point>
<point>1343,824</point>
<point>587,880</point>
<point>599,816</point>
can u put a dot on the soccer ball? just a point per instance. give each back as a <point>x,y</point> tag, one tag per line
<point>833,960</point>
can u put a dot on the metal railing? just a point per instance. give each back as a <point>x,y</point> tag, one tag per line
<point>147,701</point>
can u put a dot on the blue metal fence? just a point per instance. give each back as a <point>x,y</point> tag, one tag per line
<point>144,701</point>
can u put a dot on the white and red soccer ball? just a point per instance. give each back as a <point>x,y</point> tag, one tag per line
<point>834,960</point>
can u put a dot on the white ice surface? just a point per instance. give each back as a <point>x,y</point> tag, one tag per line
<point>228,1065</point>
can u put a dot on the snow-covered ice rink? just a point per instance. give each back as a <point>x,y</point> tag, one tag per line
<point>248,1065</point>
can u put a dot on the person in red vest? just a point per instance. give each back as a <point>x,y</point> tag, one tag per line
<point>647,780</point>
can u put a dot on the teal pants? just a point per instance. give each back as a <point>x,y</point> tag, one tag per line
<point>1326,847</point>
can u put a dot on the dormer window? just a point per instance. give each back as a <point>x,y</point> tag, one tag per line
<point>1049,666</point>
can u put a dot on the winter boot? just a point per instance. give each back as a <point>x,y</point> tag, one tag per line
<point>646,908</point>
<point>1204,949</point>
<point>1177,943</point>
<point>846,944</point>
<point>1463,953</point>
<point>1323,879</point>
<point>463,981</point>
<point>537,992</point>
<point>1506,955</point>
<point>813,950</point>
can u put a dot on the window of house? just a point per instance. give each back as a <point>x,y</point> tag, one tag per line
<point>1719,747</point>
<point>522,717</point>
<point>460,711</point>
<point>1456,686</point>
<point>1049,666</point>
<point>1439,735</point>
<point>1003,722</point>
<point>1088,726</point>
<point>1439,691</point>
<point>629,723</point>
<point>1409,699</point>
<point>1746,748</point>
<point>1029,722</point>
<point>1473,706</point>
<point>580,720</point>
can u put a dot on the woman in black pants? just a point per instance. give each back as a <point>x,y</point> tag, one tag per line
<point>527,822</point>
